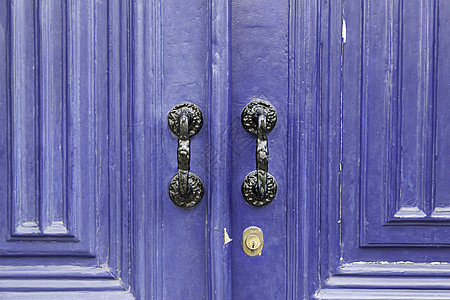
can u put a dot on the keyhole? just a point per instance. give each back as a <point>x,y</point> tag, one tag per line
<point>253,242</point>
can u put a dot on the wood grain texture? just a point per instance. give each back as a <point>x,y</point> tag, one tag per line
<point>61,132</point>
<point>25,115</point>
<point>220,152</point>
<point>259,70</point>
<point>360,149</point>
<point>363,251</point>
<point>314,145</point>
<point>398,127</point>
<point>388,281</point>
<point>79,244</point>
<point>53,82</point>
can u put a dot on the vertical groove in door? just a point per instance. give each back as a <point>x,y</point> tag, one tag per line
<point>219,121</point>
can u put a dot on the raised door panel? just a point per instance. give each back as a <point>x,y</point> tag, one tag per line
<point>379,223</point>
<point>50,139</point>
<point>403,183</point>
<point>62,232</point>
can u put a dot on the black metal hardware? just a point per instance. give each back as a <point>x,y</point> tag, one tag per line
<point>185,188</point>
<point>259,187</point>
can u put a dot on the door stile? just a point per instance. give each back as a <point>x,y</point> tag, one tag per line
<point>144,148</point>
<point>314,144</point>
<point>303,150</point>
<point>293,225</point>
<point>218,222</point>
<point>332,39</point>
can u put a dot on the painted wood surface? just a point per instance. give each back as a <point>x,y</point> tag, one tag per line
<point>61,237</point>
<point>393,232</point>
<point>359,149</point>
<point>259,66</point>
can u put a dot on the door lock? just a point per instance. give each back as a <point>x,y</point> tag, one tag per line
<point>252,241</point>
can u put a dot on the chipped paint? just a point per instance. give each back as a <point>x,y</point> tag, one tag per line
<point>344,31</point>
<point>401,262</point>
<point>226,237</point>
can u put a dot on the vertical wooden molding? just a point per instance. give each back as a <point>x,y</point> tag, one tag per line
<point>293,185</point>
<point>314,144</point>
<point>219,112</point>
<point>143,207</point>
<point>53,82</point>
<point>441,61</point>
<point>411,105</point>
<point>316,50</point>
<point>119,140</point>
<point>25,120</point>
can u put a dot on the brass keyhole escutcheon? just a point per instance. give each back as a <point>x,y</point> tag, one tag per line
<point>252,241</point>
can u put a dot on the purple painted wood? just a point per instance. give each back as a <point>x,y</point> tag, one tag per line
<point>442,107</point>
<point>398,133</point>
<point>359,150</point>
<point>54,118</point>
<point>259,50</point>
<point>25,202</point>
<point>393,232</point>
<point>53,152</point>
<point>185,69</point>
<point>59,225</point>
<point>220,153</point>
<point>40,205</point>
<point>313,144</point>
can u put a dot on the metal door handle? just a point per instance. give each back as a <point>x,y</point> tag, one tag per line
<point>185,188</point>
<point>259,187</point>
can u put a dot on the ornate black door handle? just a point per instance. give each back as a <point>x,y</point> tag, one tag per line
<point>259,187</point>
<point>186,188</point>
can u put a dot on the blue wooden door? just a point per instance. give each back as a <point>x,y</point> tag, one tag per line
<point>358,151</point>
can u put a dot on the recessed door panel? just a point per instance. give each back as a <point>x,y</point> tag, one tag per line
<point>59,226</point>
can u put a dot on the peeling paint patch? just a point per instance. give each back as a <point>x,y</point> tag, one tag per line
<point>344,31</point>
<point>226,237</point>
<point>401,262</point>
